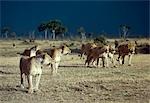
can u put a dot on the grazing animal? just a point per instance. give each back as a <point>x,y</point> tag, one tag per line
<point>126,49</point>
<point>32,66</point>
<point>111,54</point>
<point>85,48</point>
<point>96,53</point>
<point>56,54</point>
<point>30,52</point>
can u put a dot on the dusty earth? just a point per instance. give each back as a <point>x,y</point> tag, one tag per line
<point>74,82</point>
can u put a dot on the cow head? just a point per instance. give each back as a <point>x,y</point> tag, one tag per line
<point>65,50</point>
<point>131,47</point>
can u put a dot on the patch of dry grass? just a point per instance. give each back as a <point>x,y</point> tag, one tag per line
<point>75,83</point>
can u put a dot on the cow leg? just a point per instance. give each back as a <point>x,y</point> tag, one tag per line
<point>103,61</point>
<point>97,62</point>
<point>22,84</point>
<point>113,60</point>
<point>52,68</point>
<point>111,56</point>
<point>123,59</point>
<point>56,67</point>
<point>38,77</point>
<point>120,59</point>
<point>106,59</point>
<point>30,84</point>
<point>130,58</point>
<point>93,62</point>
<point>27,81</point>
<point>87,61</point>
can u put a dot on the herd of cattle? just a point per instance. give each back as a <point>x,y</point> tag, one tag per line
<point>33,59</point>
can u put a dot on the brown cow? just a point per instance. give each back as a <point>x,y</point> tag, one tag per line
<point>96,53</point>
<point>85,48</point>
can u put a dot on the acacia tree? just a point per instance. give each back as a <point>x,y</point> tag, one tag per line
<point>54,25</point>
<point>61,31</point>
<point>57,28</point>
<point>43,27</point>
<point>82,32</point>
<point>32,35</point>
<point>13,35</point>
<point>5,31</point>
<point>124,31</point>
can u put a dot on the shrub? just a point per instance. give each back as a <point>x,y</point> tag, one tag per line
<point>100,40</point>
<point>143,48</point>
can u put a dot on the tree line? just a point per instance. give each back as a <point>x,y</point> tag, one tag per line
<point>55,28</point>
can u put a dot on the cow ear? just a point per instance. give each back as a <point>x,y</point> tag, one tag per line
<point>62,47</point>
<point>44,55</point>
<point>136,43</point>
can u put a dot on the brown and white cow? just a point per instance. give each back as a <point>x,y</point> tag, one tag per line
<point>32,66</point>
<point>56,54</point>
<point>126,49</point>
<point>111,54</point>
<point>30,52</point>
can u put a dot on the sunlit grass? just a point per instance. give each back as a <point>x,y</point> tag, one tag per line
<point>75,82</point>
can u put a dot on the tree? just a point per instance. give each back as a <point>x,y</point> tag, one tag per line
<point>90,35</point>
<point>32,35</point>
<point>43,27</point>
<point>124,31</point>
<point>54,25</point>
<point>61,31</point>
<point>57,28</point>
<point>13,35</point>
<point>100,40</point>
<point>82,32</point>
<point>5,31</point>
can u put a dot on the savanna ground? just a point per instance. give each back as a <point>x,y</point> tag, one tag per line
<point>75,83</point>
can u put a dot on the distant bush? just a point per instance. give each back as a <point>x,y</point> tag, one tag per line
<point>76,50</point>
<point>100,40</point>
<point>143,48</point>
<point>28,42</point>
<point>31,40</point>
<point>72,44</point>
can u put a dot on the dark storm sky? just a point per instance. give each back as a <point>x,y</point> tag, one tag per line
<point>94,16</point>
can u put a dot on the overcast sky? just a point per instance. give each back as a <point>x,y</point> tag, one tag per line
<point>94,16</point>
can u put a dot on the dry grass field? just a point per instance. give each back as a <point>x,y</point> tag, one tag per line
<point>74,82</point>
